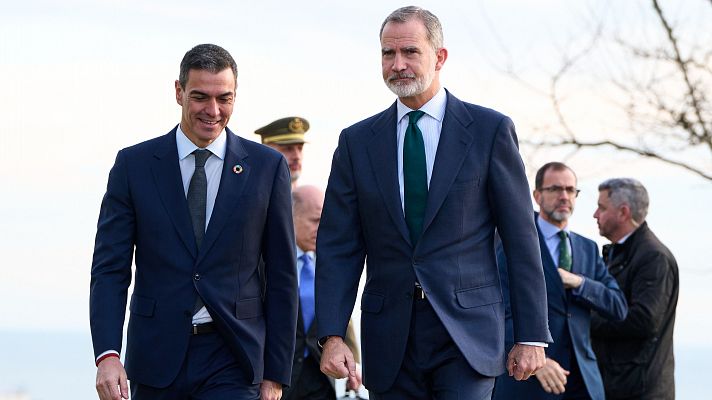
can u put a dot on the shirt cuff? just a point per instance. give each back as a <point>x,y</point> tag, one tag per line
<point>102,355</point>
<point>537,344</point>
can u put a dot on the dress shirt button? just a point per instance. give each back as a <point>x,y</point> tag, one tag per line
<point>196,277</point>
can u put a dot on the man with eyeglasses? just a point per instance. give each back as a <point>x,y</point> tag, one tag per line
<point>577,282</point>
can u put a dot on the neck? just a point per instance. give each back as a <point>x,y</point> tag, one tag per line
<point>623,232</point>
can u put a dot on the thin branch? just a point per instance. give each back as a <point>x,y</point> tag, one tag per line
<point>618,146</point>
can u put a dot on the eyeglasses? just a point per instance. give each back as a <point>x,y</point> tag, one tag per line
<point>572,191</point>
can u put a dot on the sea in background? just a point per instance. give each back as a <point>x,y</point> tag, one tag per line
<point>59,366</point>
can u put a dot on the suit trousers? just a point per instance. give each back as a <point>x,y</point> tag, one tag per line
<point>209,372</point>
<point>433,367</point>
<point>311,384</point>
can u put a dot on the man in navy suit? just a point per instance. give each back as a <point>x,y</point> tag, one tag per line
<point>201,207</point>
<point>417,191</point>
<point>577,282</point>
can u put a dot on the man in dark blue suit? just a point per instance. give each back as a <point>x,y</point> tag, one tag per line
<point>577,282</point>
<point>203,209</point>
<point>417,191</point>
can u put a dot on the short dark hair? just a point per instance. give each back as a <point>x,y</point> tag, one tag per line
<point>207,57</point>
<point>554,166</point>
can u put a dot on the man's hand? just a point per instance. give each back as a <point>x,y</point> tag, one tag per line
<point>337,361</point>
<point>270,390</point>
<point>570,280</point>
<point>354,384</point>
<point>524,360</point>
<point>552,377</point>
<point>111,383</point>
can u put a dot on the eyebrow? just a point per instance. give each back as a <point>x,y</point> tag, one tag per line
<point>198,92</point>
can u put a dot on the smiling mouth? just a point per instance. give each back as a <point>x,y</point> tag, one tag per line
<point>206,122</point>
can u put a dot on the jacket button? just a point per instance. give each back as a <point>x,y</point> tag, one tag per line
<point>196,277</point>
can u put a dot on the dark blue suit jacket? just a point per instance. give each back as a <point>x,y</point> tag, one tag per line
<point>569,317</point>
<point>478,183</point>
<point>145,208</point>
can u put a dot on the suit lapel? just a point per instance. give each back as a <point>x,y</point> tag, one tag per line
<point>231,187</point>
<point>453,147</point>
<point>167,176</point>
<point>383,154</point>
<point>551,272</point>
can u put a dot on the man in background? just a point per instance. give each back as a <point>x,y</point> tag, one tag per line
<point>286,135</point>
<point>577,282</point>
<point>636,355</point>
<point>308,382</point>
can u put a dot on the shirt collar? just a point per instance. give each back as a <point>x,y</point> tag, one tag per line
<point>301,252</point>
<point>549,230</point>
<point>435,107</point>
<point>186,147</point>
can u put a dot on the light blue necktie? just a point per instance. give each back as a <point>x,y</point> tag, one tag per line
<point>306,293</point>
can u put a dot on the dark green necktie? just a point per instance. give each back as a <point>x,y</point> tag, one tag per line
<point>415,177</point>
<point>564,255</point>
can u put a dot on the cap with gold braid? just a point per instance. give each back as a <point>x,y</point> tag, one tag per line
<point>288,130</point>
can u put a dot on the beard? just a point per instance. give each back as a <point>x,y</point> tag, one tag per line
<point>410,89</point>
<point>558,216</point>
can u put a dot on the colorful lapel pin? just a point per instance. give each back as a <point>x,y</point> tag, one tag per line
<point>237,169</point>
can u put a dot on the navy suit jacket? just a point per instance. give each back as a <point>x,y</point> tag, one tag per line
<point>569,317</point>
<point>145,209</point>
<point>478,183</point>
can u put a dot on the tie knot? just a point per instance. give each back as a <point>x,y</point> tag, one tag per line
<point>201,155</point>
<point>306,259</point>
<point>563,235</point>
<point>414,116</point>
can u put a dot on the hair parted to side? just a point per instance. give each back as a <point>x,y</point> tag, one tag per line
<point>432,23</point>
<point>628,191</point>
<point>207,57</point>
<point>554,166</point>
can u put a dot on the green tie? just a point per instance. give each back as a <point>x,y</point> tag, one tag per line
<point>564,255</point>
<point>415,177</point>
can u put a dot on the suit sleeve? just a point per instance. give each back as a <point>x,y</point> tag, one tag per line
<point>281,293</point>
<point>340,248</point>
<point>512,211</point>
<point>651,291</point>
<point>111,265</point>
<point>602,294</point>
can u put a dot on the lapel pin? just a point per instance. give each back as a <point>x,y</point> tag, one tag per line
<point>237,169</point>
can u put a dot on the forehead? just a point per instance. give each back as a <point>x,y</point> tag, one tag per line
<point>562,177</point>
<point>411,32</point>
<point>203,79</point>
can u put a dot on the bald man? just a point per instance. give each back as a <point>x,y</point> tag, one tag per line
<point>308,382</point>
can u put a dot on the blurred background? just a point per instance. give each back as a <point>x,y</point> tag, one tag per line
<point>612,88</point>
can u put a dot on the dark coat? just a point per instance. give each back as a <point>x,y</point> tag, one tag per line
<point>636,356</point>
<point>145,209</point>
<point>478,184</point>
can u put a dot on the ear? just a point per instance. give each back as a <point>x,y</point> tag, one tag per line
<point>624,213</point>
<point>441,56</point>
<point>179,93</point>
<point>537,196</point>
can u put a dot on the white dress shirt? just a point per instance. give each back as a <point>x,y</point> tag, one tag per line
<point>213,170</point>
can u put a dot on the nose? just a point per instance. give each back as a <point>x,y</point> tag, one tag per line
<point>211,108</point>
<point>398,63</point>
<point>595,214</point>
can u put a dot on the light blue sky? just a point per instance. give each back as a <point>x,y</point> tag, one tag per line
<point>82,79</point>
